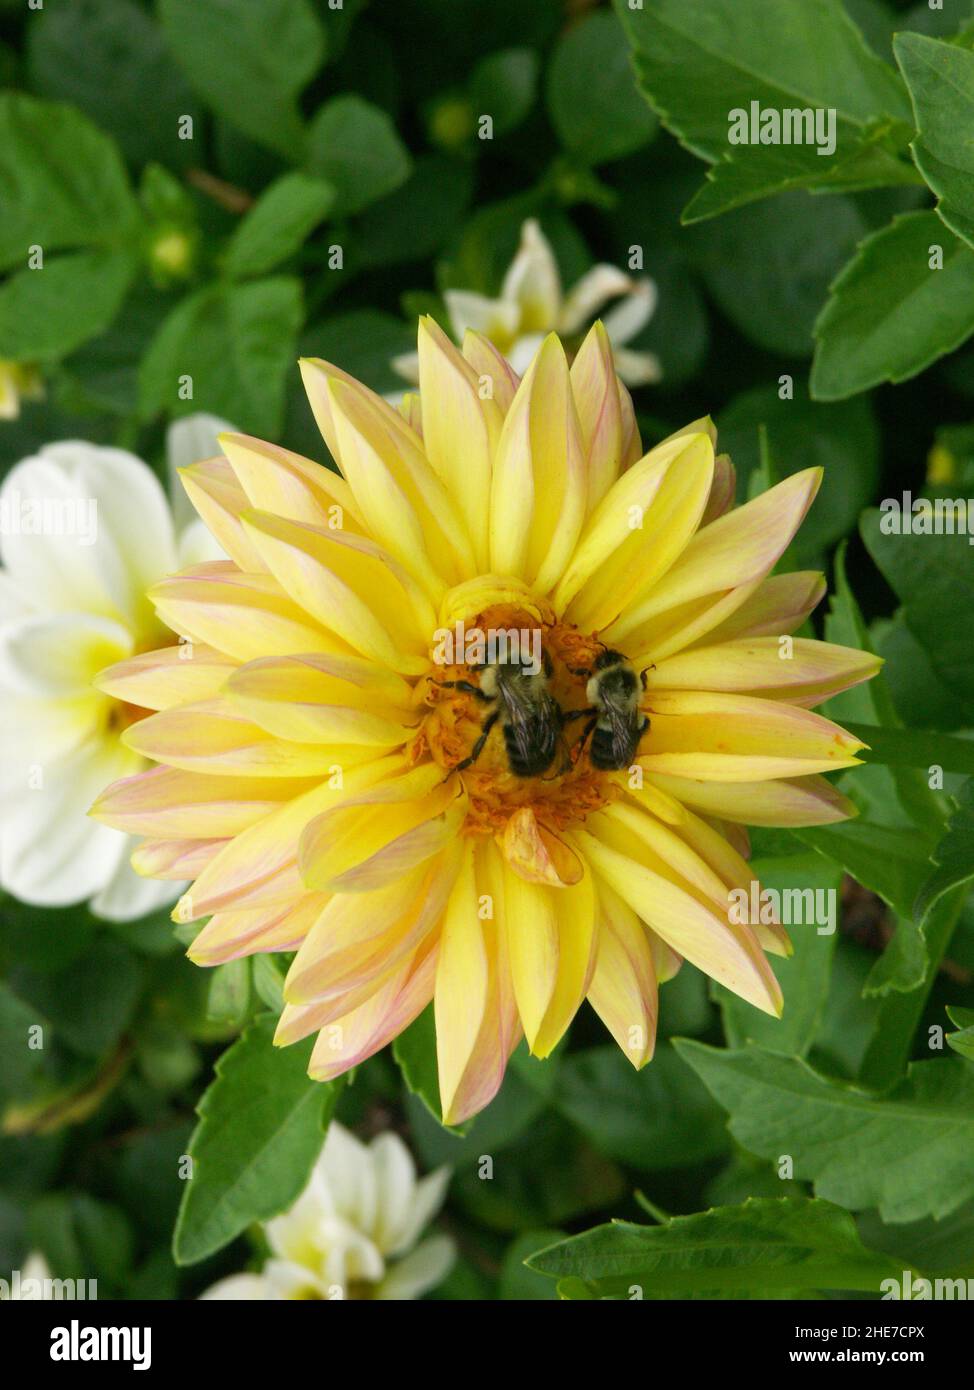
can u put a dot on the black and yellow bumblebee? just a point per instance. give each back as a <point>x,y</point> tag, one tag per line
<point>616,723</point>
<point>529,715</point>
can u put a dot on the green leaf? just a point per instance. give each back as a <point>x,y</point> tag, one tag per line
<point>511,1114</point>
<point>62,187</point>
<point>229,994</point>
<point>812,55</point>
<point>62,182</point>
<point>888,860</point>
<point>91,1002</point>
<point>932,575</point>
<point>842,439</point>
<point>653,1119</point>
<point>764,1246</point>
<point>940,77</point>
<point>954,855</point>
<point>933,1246</point>
<point>914,748</point>
<point>269,981</point>
<point>109,58</point>
<point>249,59</point>
<point>46,313</point>
<point>769,265</point>
<point>962,1042</point>
<point>23,1064</point>
<point>419,218</point>
<point>909,1152</point>
<point>260,1131</point>
<point>866,159</point>
<point>872,701</point>
<point>236,342</point>
<point>285,215</point>
<point>519,1281</point>
<point>889,314</point>
<point>592,96</point>
<point>503,86</point>
<point>354,146</point>
<point>804,977</point>
<point>82,1238</point>
<point>919,694</point>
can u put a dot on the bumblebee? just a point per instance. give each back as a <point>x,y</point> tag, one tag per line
<point>528,713</point>
<point>616,723</point>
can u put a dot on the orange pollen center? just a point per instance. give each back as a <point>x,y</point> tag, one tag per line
<point>570,789</point>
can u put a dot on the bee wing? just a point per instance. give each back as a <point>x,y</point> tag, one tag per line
<point>623,721</point>
<point>534,726</point>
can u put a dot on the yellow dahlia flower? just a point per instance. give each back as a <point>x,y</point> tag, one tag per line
<point>314,772</point>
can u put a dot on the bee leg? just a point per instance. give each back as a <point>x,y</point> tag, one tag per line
<point>478,747</point>
<point>586,735</point>
<point>467,687</point>
<point>642,674</point>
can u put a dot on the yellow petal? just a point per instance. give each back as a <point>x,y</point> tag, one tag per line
<point>623,990</point>
<point>470,1087</point>
<point>462,982</point>
<point>536,854</point>
<point>798,670</point>
<point>722,490</point>
<point>632,444</point>
<point>167,802</point>
<point>214,491</point>
<point>630,830</point>
<point>739,548</point>
<point>360,934</point>
<point>323,700</point>
<point>276,480</point>
<point>596,392</point>
<point>358,1035</point>
<point>212,736</point>
<point>637,532</point>
<point>389,514</point>
<point>550,941</point>
<point>259,866</point>
<point>472,597</point>
<point>401,449</point>
<point>737,738</point>
<point>371,839</point>
<point>174,859</point>
<point>794,801</point>
<point>493,370</point>
<point>229,935</point>
<point>728,953</point>
<point>460,429</point>
<point>779,605</point>
<point>169,676</point>
<point>343,582</point>
<point>735,872</point>
<point>538,493</point>
<point>241,615</point>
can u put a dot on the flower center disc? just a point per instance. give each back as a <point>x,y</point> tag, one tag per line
<point>570,789</point>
